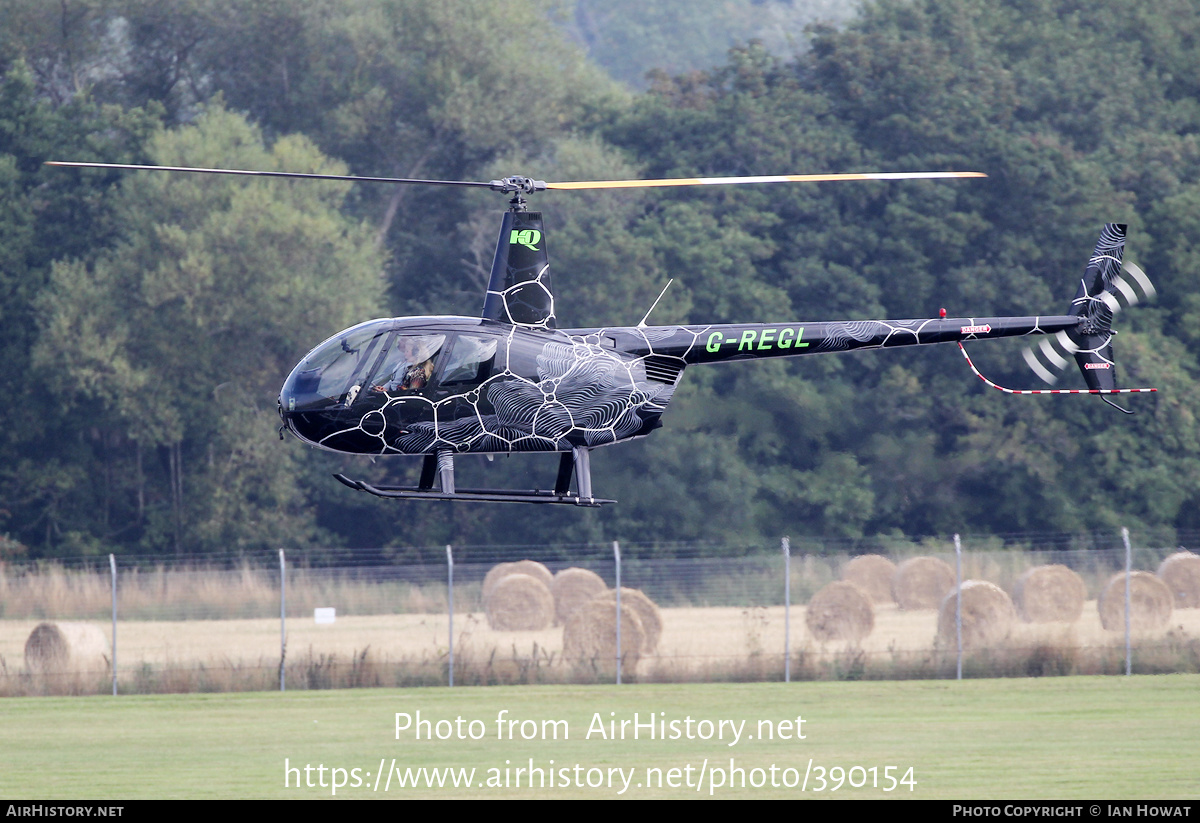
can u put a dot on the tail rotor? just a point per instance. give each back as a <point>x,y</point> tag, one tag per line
<point>1108,285</point>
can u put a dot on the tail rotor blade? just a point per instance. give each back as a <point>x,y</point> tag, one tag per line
<point>1049,358</point>
<point>1139,276</point>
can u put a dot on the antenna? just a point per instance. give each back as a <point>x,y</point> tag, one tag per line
<point>642,324</point>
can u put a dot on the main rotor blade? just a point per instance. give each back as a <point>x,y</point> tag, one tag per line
<point>527,185</point>
<point>350,178</point>
<point>770,178</point>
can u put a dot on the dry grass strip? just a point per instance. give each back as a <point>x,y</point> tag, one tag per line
<point>1045,594</point>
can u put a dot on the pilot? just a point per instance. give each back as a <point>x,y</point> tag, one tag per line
<point>409,375</point>
<point>417,375</point>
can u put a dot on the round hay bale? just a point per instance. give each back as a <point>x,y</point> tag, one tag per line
<point>647,612</point>
<point>590,637</point>
<point>922,582</point>
<point>572,588</point>
<point>519,602</point>
<point>494,575</point>
<point>534,569</point>
<point>501,570</point>
<point>987,615</point>
<point>873,574</point>
<point>66,647</point>
<point>1181,573</point>
<point>1149,599</point>
<point>840,611</point>
<point>1048,593</point>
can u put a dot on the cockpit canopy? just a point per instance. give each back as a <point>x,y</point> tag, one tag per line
<point>386,358</point>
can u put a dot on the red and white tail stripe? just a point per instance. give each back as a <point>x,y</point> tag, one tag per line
<point>1046,391</point>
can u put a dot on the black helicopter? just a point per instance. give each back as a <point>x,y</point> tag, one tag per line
<point>511,381</point>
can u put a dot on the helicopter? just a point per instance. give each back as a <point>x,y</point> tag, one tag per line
<point>510,381</point>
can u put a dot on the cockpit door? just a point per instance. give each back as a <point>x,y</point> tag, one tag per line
<point>468,363</point>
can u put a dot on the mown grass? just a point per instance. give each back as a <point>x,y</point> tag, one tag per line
<point>1059,738</point>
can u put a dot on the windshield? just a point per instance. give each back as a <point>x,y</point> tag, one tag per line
<point>333,373</point>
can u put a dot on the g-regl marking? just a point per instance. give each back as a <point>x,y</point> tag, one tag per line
<point>773,337</point>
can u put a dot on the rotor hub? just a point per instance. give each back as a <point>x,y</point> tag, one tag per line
<point>518,184</point>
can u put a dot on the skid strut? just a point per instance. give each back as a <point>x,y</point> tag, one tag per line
<point>445,467</point>
<point>583,471</point>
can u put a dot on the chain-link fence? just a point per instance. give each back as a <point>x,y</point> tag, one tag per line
<point>1051,606</point>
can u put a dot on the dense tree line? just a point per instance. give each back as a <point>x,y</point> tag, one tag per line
<point>149,319</point>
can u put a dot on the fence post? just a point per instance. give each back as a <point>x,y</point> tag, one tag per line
<point>450,606</point>
<point>958,601</point>
<point>112,565</point>
<point>617,558</point>
<point>787,610</point>
<point>1128,626</point>
<point>282,621</point>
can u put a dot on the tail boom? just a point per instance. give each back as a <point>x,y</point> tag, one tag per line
<point>723,343</point>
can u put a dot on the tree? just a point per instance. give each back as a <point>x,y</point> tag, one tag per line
<point>44,213</point>
<point>176,341</point>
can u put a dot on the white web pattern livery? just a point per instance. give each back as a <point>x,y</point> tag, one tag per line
<point>516,301</point>
<point>585,395</point>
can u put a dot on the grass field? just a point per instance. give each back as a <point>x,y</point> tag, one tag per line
<point>1053,738</point>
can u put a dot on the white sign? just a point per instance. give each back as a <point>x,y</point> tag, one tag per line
<point>324,615</point>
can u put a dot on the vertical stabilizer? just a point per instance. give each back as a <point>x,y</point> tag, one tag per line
<point>1096,304</point>
<point>519,288</point>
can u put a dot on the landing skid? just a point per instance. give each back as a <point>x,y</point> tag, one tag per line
<point>440,466</point>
